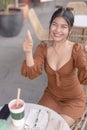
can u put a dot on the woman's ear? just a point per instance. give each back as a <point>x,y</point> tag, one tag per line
<point>70,30</point>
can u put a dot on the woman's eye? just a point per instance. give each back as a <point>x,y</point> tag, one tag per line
<point>54,24</point>
<point>64,26</point>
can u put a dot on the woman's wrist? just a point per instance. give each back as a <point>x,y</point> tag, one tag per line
<point>28,53</point>
<point>29,59</point>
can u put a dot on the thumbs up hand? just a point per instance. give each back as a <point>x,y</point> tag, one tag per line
<point>28,43</point>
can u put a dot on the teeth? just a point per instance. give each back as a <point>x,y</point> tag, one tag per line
<point>57,35</point>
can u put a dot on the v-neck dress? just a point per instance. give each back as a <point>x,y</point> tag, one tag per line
<point>64,92</point>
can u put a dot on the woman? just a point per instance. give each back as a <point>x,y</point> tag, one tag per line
<point>61,59</point>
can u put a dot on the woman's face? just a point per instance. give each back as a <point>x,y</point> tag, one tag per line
<point>59,29</point>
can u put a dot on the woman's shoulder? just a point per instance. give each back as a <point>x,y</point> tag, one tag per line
<point>42,48</point>
<point>76,46</point>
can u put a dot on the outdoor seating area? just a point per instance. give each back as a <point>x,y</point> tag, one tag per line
<point>37,21</point>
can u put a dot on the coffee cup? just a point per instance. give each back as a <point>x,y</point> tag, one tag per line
<point>17,112</point>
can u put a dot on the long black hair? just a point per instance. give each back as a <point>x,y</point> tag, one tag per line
<point>65,13</point>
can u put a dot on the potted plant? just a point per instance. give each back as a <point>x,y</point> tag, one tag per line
<point>23,6</point>
<point>11,19</point>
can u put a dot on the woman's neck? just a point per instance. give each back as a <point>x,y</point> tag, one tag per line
<point>59,44</point>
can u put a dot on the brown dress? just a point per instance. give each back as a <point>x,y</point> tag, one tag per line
<point>64,92</point>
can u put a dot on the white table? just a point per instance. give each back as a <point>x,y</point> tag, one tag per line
<point>30,105</point>
<point>80,21</point>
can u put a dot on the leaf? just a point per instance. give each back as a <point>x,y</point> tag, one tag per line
<point>4,3</point>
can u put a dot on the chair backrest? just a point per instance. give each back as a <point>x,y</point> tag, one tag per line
<point>77,35</point>
<point>41,33</point>
<point>34,20</point>
<point>79,7</point>
<point>77,4</point>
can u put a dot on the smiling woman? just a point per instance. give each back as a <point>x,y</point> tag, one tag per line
<point>61,59</point>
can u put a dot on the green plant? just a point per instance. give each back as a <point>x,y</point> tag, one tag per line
<point>5,3</point>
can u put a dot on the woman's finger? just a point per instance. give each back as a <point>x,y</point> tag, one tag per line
<point>29,36</point>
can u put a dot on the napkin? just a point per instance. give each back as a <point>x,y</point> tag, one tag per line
<point>36,120</point>
<point>55,124</point>
<point>31,119</point>
<point>41,124</point>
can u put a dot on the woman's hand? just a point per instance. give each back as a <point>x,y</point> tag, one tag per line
<point>28,43</point>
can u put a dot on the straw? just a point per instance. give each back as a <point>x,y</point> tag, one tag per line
<point>18,96</point>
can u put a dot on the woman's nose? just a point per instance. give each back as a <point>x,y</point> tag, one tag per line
<point>58,29</point>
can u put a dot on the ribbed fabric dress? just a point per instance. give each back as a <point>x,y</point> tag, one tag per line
<point>64,92</point>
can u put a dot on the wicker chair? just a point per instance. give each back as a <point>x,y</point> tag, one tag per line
<point>41,33</point>
<point>76,4</point>
<point>78,7</point>
<point>78,34</point>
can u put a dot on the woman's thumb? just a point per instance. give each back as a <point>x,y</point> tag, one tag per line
<point>29,36</point>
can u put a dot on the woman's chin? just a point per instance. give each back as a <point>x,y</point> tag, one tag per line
<point>58,39</point>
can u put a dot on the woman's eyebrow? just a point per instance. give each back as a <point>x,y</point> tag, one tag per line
<point>65,24</point>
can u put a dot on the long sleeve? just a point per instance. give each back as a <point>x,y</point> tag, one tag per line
<point>80,63</point>
<point>39,57</point>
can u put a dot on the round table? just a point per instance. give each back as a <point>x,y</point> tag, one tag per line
<point>28,106</point>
